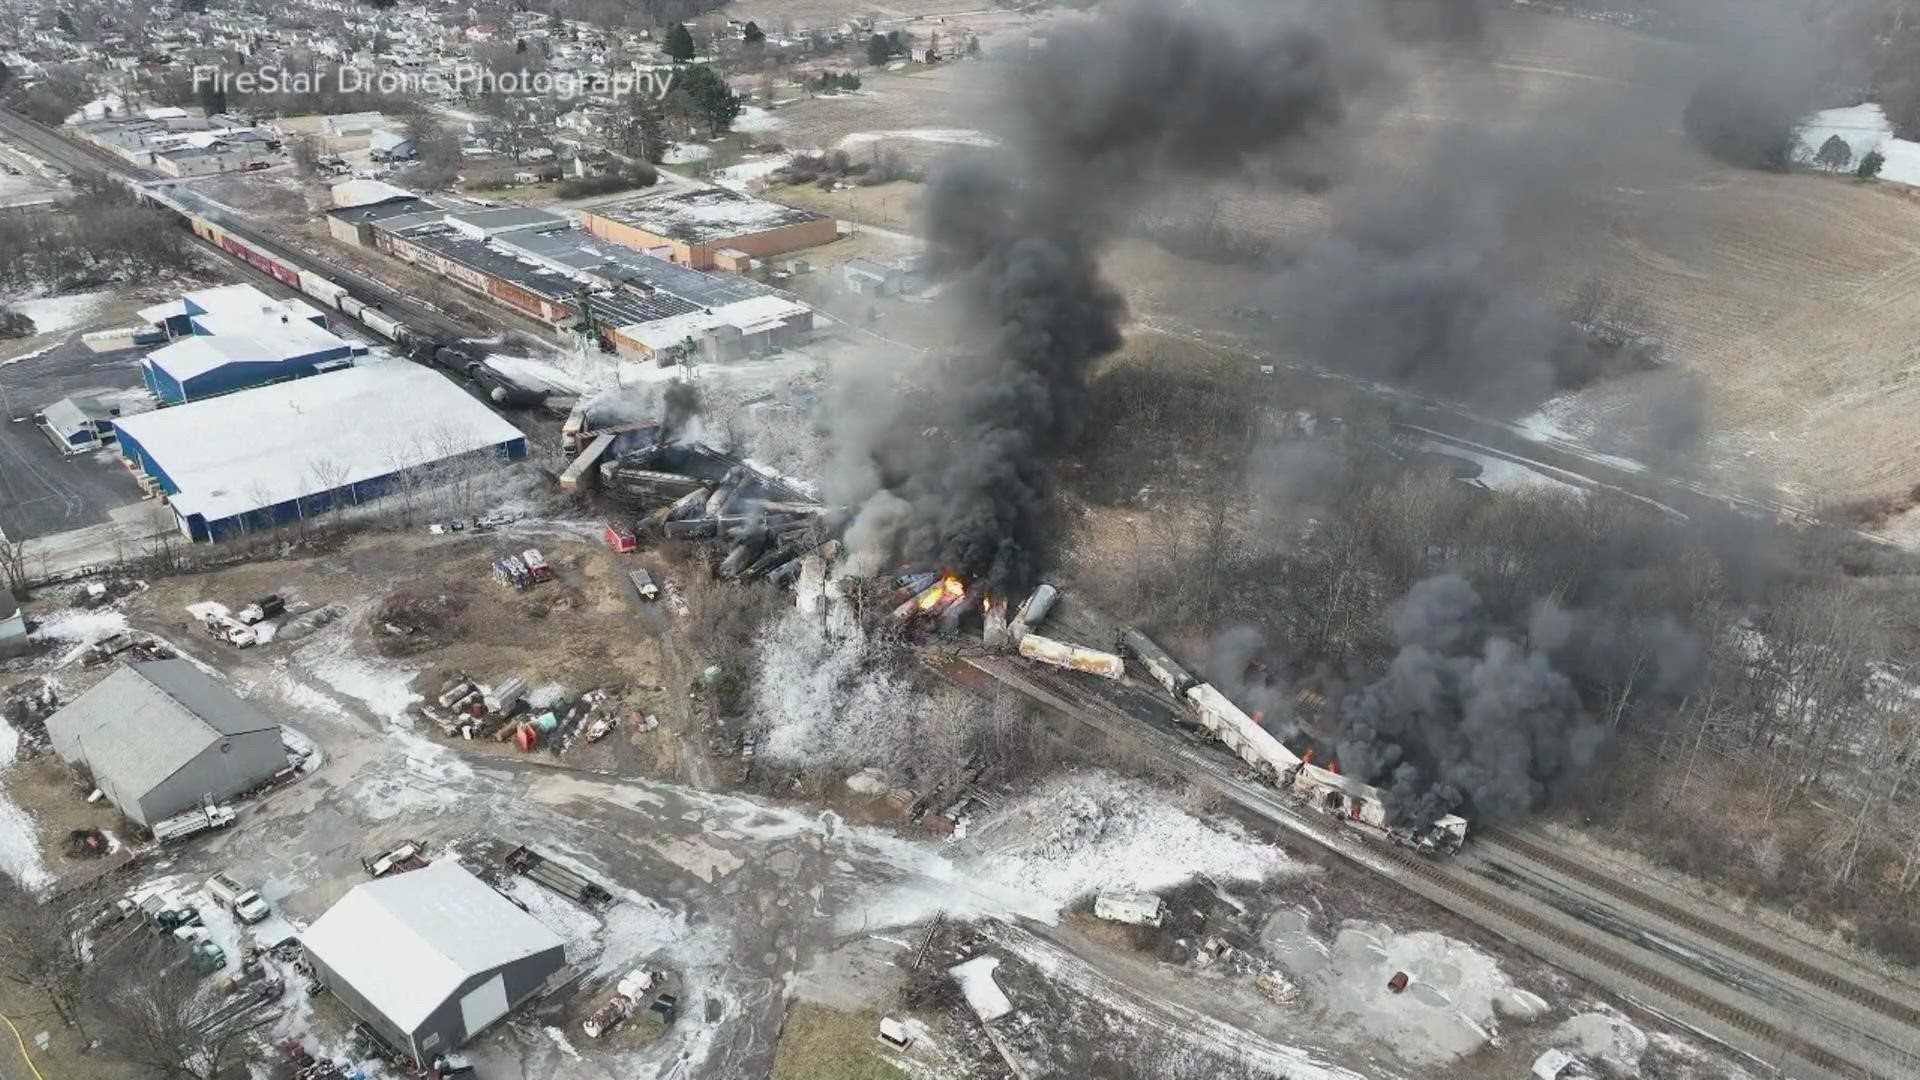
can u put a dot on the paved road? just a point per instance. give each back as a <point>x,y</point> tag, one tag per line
<point>43,491</point>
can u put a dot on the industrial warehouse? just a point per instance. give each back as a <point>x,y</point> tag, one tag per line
<point>641,306</point>
<point>162,737</point>
<point>432,957</point>
<point>708,228</point>
<point>274,454</point>
<point>234,337</point>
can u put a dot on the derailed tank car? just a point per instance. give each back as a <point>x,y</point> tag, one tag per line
<point>1354,802</point>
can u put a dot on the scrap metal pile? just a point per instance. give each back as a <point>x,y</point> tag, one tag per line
<point>762,525</point>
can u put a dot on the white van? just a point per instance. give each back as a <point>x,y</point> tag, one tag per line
<point>245,904</point>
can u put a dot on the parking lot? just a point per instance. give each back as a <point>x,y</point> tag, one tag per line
<point>43,491</point>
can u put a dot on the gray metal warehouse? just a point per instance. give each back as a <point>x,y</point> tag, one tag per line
<point>163,736</point>
<point>432,957</point>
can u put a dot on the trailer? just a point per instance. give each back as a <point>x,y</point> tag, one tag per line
<point>568,883</point>
<point>536,564</point>
<point>585,469</point>
<point>643,584</point>
<point>620,538</point>
<point>408,856</point>
<point>193,822</point>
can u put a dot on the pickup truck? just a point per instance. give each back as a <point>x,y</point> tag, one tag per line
<point>245,903</point>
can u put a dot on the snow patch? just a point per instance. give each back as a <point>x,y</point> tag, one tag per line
<point>1453,1003</point>
<point>81,627</point>
<point>750,172</point>
<point>1605,1037</point>
<point>1864,128</point>
<point>686,154</point>
<point>560,1040</point>
<point>944,136</point>
<point>20,846</point>
<point>59,314</point>
<point>989,1002</point>
<point>753,118</point>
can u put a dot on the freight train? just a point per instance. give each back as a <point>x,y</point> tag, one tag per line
<point>1360,805</point>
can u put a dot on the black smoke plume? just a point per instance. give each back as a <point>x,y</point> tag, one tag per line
<point>1149,92</point>
<point>1470,714</point>
<point>1464,710</point>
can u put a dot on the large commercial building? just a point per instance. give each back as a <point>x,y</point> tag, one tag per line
<point>234,337</point>
<point>708,227</point>
<point>162,737</point>
<point>641,306</point>
<point>727,332</point>
<point>273,454</point>
<point>429,959</point>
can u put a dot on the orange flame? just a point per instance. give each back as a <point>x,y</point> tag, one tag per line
<point>1333,767</point>
<point>1307,758</point>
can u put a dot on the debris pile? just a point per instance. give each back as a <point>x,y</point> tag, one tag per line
<point>761,525</point>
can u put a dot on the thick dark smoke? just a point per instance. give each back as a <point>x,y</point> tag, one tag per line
<point>1470,714</point>
<point>1420,281</point>
<point>679,407</point>
<point>1463,711</point>
<point>1149,92</point>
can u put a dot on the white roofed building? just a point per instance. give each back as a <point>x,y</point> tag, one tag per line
<point>431,958</point>
<point>273,454</point>
<point>726,332</point>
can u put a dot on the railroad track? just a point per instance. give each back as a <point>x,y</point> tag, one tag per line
<point>1055,690</point>
<point>1835,984</point>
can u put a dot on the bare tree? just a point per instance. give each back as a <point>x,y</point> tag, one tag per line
<point>40,951</point>
<point>164,1024</point>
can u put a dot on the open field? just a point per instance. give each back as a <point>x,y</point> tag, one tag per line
<point>1784,291</point>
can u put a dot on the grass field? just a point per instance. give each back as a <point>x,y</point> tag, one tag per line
<point>1789,294</point>
<point>818,1043</point>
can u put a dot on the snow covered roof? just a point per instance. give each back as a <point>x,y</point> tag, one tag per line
<point>702,215</point>
<point>405,943</point>
<point>367,192</point>
<point>246,451</point>
<point>751,316</point>
<point>246,341</point>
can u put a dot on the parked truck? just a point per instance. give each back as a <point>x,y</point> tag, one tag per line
<point>536,563</point>
<point>245,903</point>
<point>198,820</point>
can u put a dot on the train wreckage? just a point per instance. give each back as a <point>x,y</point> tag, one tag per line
<point>764,527</point>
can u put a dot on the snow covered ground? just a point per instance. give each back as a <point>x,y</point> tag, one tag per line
<point>19,836</point>
<point>755,119</point>
<point>686,154</point>
<point>945,136</point>
<point>59,314</point>
<point>1863,128</point>
<point>751,172</point>
<point>1453,1004</point>
<point>975,976</point>
<point>1078,834</point>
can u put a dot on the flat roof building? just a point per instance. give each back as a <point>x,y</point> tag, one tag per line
<point>432,957</point>
<point>236,337</point>
<point>160,738</point>
<point>274,454</point>
<point>727,332</point>
<point>700,226</point>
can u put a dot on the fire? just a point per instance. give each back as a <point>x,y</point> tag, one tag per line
<point>1307,758</point>
<point>1333,767</point>
<point>949,587</point>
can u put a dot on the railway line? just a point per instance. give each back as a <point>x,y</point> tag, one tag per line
<point>1766,954</point>
<point>1755,998</point>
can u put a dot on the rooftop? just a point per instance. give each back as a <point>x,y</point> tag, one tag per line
<point>612,263</point>
<point>702,215</point>
<point>245,451</point>
<point>406,943</point>
<point>151,719</point>
<point>751,316</point>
